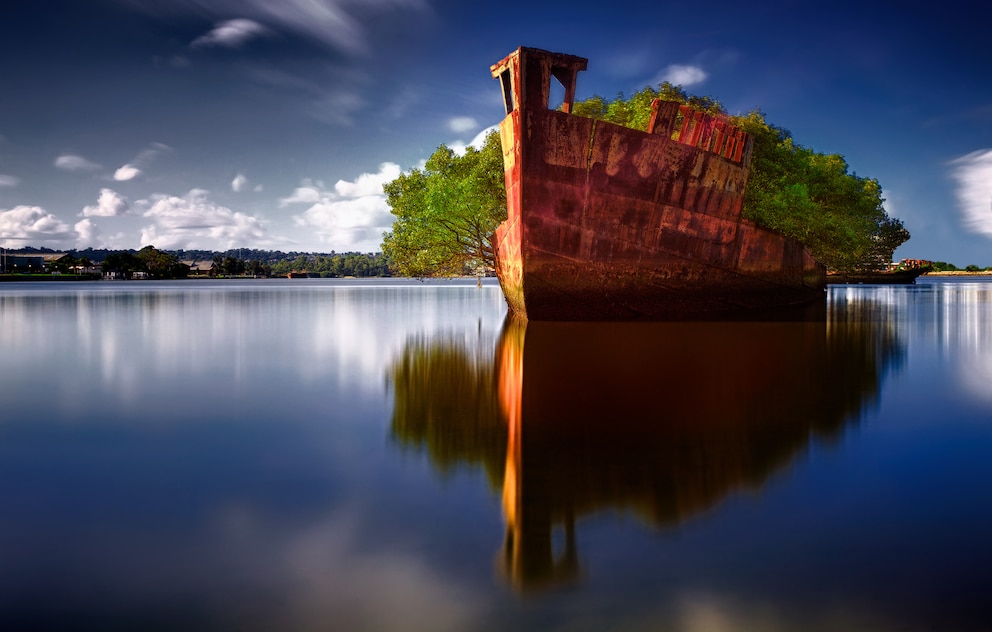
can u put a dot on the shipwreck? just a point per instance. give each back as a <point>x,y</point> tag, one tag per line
<point>610,223</point>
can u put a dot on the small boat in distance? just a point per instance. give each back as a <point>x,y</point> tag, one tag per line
<point>610,223</point>
<point>905,273</point>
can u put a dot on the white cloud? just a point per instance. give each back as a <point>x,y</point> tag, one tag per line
<point>127,172</point>
<point>231,33</point>
<point>682,75</point>
<point>354,215</point>
<point>88,235</point>
<point>349,225</point>
<point>33,226</point>
<point>9,181</point>
<point>476,143</point>
<point>239,183</point>
<point>369,183</point>
<point>308,193</point>
<point>109,204</point>
<point>973,174</point>
<point>72,162</point>
<point>461,124</point>
<point>193,221</point>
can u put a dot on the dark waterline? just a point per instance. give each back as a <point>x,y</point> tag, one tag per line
<point>386,454</point>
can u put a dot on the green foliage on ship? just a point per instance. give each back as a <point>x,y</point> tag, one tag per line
<point>809,196</point>
<point>447,212</point>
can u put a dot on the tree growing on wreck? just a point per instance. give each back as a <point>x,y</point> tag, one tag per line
<point>803,194</point>
<point>447,212</point>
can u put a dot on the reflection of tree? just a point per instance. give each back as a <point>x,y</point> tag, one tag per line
<point>659,419</point>
<point>860,328</point>
<point>445,391</point>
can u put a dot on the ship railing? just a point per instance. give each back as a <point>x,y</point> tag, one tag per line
<point>709,132</point>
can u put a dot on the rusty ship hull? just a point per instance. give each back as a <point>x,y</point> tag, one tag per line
<point>610,223</point>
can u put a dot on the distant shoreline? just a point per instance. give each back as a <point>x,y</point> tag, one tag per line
<point>959,273</point>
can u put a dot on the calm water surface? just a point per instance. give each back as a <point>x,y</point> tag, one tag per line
<point>391,455</point>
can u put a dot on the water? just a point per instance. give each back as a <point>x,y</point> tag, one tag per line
<point>389,455</point>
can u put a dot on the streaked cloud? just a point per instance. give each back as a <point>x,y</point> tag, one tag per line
<point>682,75</point>
<point>231,34</point>
<point>973,175</point>
<point>72,162</point>
<point>127,172</point>
<point>354,215</point>
<point>401,103</point>
<point>140,163</point>
<point>462,124</point>
<point>194,221</point>
<point>109,204</point>
<point>330,94</point>
<point>9,181</point>
<point>337,108</point>
<point>628,62</point>
<point>146,155</point>
<point>32,226</point>
<point>344,25</point>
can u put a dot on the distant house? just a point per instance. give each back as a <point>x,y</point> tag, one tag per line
<point>52,258</point>
<point>20,262</point>
<point>94,270</point>
<point>199,268</point>
<point>27,262</point>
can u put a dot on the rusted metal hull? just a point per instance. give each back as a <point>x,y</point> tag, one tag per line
<point>610,223</point>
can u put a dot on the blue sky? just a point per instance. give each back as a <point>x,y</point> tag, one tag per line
<point>253,123</point>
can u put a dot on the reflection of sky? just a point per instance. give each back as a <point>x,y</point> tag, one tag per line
<point>124,340</point>
<point>219,454</point>
<point>208,450</point>
<point>948,321</point>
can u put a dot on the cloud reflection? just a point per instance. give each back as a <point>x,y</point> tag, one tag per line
<point>324,575</point>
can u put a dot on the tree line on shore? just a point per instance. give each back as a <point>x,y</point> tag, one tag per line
<point>943,266</point>
<point>169,264</point>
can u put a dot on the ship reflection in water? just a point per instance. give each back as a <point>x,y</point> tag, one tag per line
<point>657,420</point>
